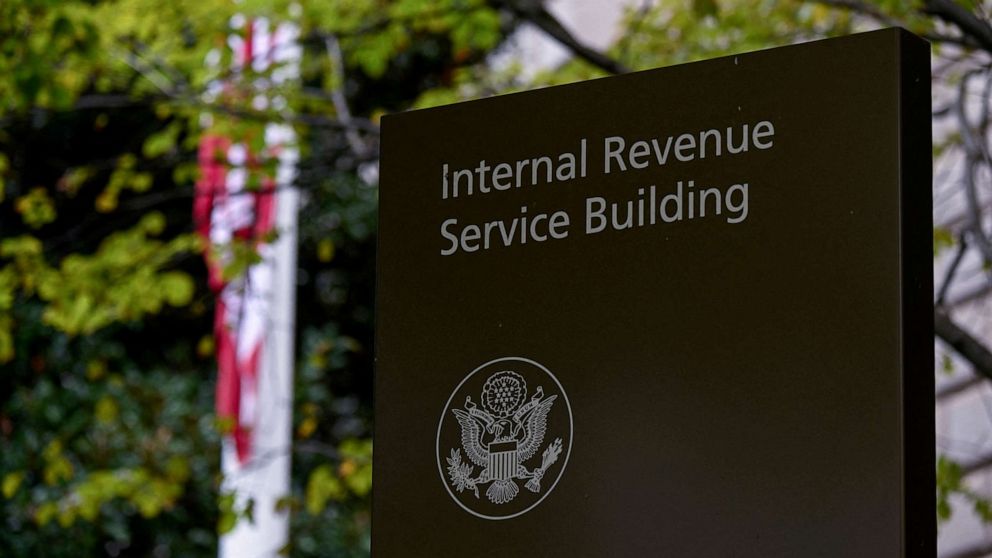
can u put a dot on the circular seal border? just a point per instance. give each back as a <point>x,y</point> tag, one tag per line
<point>568,453</point>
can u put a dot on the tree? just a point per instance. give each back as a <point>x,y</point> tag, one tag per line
<point>105,400</point>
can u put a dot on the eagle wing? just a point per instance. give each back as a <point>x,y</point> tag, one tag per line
<point>472,438</point>
<point>537,425</point>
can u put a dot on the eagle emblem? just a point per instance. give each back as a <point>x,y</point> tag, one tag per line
<point>500,434</point>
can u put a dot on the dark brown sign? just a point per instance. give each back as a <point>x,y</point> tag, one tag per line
<point>684,312</point>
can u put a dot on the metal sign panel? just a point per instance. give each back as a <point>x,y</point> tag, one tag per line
<point>682,312</point>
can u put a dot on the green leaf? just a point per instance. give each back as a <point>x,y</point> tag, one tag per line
<point>45,513</point>
<point>360,481</point>
<point>153,223</point>
<point>177,469</point>
<point>949,474</point>
<point>322,486</point>
<point>983,509</point>
<point>36,208</point>
<point>946,364</point>
<point>942,238</point>
<point>705,8</point>
<point>162,142</point>
<point>177,287</point>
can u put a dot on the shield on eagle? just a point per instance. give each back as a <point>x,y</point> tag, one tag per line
<point>502,460</point>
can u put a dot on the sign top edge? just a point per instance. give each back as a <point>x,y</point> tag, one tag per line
<point>879,35</point>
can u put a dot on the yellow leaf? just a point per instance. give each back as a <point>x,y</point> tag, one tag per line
<point>153,223</point>
<point>96,369</point>
<point>36,208</point>
<point>177,287</point>
<point>205,346</point>
<point>322,486</point>
<point>360,482</point>
<point>106,201</point>
<point>11,482</point>
<point>177,469</point>
<point>347,468</point>
<point>66,517</point>
<point>57,471</point>
<point>106,410</point>
<point>57,468</point>
<point>6,340</point>
<point>307,427</point>
<point>45,513</point>
<point>325,250</point>
<point>53,450</point>
<point>225,425</point>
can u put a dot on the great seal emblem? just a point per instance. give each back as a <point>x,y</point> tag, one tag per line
<point>504,438</point>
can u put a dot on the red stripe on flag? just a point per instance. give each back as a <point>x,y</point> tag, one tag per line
<point>237,376</point>
<point>211,185</point>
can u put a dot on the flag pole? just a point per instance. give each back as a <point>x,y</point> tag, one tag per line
<point>257,470</point>
<point>264,479</point>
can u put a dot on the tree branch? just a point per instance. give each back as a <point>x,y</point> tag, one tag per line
<point>966,345</point>
<point>975,155</point>
<point>960,385</point>
<point>106,101</point>
<point>534,12</point>
<point>338,98</point>
<point>360,124</point>
<point>861,8</point>
<point>952,270</point>
<point>867,9</point>
<point>969,24</point>
<point>977,551</point>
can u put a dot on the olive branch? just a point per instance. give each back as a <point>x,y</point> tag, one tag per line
<point>461,473</point>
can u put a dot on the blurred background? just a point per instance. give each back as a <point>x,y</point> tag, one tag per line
<point>130,133</point>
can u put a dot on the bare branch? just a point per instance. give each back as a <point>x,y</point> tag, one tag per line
<point>969,23</point>
<point>965,344</point>
<point>534,12</point>
<point>868,10</point>
<point>952,270</point>
<point>960,385</point>
<point>360,124</point>
<point>977,551</point>
<point>962,41</point>
<point>862,8</point>
<point>176,90</point>
<point>106,101</point>
<point>147,71</point>
<point>318,448</point>
<point>983,120</point>
<point>976,154</point>
<point>338,98</point>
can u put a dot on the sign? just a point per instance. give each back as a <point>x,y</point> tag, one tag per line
<point>681,312</point>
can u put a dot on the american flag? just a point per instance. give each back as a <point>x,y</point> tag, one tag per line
<point>243,198</point>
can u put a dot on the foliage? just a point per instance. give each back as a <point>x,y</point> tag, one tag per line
<point>105,400</point>
<point>950,481</point>
<point>676,31</point>
<point>102,453</point>
<point>109,442</point>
